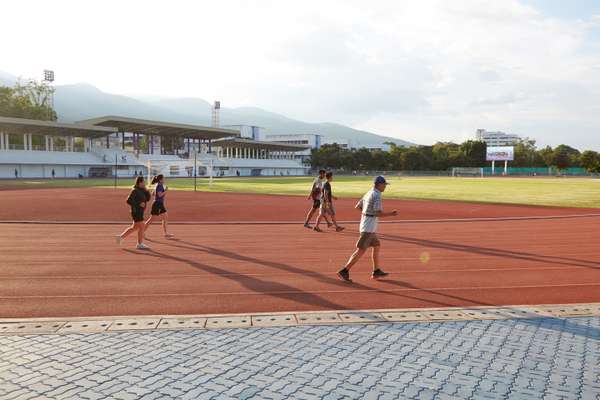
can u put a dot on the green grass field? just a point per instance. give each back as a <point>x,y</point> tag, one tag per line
<point>573,192</point>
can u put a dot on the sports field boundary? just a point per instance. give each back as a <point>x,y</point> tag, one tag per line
<point>107,324</point>
<point>407,221</point>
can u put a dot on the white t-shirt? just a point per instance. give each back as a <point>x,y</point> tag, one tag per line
<point>370,204</point>
<point>318,184</point>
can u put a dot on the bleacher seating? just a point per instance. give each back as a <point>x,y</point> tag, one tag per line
<point>123,157</point>
<point>49,157</point>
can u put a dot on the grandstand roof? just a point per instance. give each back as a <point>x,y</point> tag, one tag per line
<point>161,128</point>
<point>22,125</point>
<point>276,146</point>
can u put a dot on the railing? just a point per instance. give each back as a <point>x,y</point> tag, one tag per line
<point>38,147</point>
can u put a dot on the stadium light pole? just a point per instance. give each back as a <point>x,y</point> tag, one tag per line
<point>49,78</point>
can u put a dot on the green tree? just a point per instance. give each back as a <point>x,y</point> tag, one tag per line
<point>329,156</point>
<point>474,153</point>
<point>30,100</point>
<point>547,156</point>
<point>525,154</point>
<point>564,156</point>
<point>413,160</point>
<point>590,160</point>
<point>560,159</point>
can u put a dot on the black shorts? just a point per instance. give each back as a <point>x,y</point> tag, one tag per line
<point>137,214</point>
<point>158,208</point>
<point>316,203</point>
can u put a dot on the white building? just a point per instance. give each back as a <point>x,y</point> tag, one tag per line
<point>109,146</point>
<point>248,131</point>
<point>497,138</point>
<point>308,139</point>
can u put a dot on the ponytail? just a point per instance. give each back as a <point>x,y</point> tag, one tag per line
<point>156,179</point>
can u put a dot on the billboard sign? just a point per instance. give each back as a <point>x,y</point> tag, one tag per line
<point>503,153</point>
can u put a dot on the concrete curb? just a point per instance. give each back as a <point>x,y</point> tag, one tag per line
<point>99,324</point>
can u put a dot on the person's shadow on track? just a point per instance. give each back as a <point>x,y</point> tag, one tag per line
<point>256,285</point>
<point>291,293</point>
<point>487,251</point>
<point>346,287</point>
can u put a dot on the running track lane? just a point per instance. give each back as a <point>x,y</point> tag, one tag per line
<point>63,270</point>
<point>93,204</point>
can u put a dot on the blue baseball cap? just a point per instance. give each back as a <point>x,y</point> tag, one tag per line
<point>380,180</point>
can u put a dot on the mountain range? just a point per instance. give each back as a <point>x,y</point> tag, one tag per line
<point>83,101</point>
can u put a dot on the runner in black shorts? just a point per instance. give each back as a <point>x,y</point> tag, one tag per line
<point>137,200</point>
<point>158,206</point>
<point>327,208</point>
<point>315,196</point>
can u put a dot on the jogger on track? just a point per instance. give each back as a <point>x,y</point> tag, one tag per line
<point>137,200</point>
<point>315,196</point>
<point>371,209</point>
<point>327,208</point>
<point>158,210</point>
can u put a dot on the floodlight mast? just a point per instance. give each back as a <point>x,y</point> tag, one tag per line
<point>48,79</point>
<point>216,109</point>
<point>48,75</point>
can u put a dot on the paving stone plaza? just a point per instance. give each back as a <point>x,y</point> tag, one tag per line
<point>542,358</point>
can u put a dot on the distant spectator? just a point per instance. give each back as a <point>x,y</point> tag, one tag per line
<point>237,173</point>
<point>80,176</point>
<point>53,173</point>
<point>16,173</point>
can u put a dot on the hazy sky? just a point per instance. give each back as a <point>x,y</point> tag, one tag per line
<point>418,70</point>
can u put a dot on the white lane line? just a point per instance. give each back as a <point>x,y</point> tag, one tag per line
<point>278,292</point>
<point>407,221</point>
<point>241,274</point>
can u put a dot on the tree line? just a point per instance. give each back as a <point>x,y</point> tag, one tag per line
<point>443,156</point>
<point>29,100</point>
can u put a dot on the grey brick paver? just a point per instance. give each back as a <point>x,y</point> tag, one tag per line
<point>495,359</point>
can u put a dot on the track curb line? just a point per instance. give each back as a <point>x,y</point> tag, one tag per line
<point>101,324</point>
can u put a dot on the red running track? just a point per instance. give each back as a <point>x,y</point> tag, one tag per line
<point>109,205</point>
<point>78,270</point>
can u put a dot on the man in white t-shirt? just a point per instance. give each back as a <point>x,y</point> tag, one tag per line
<point>371,209</point>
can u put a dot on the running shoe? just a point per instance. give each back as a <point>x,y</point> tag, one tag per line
<point>317,229</point>
<point>142,246</point>
<point>169,235</point>
<point>344,275</point>
<point>339,228</point>
<point>119,239</point>
<point>307,226</point>
<point>377,274</point>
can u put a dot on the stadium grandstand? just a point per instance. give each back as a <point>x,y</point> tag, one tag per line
<point>121,146</point>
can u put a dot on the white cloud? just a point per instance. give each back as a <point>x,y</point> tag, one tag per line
<point>420,70</point>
